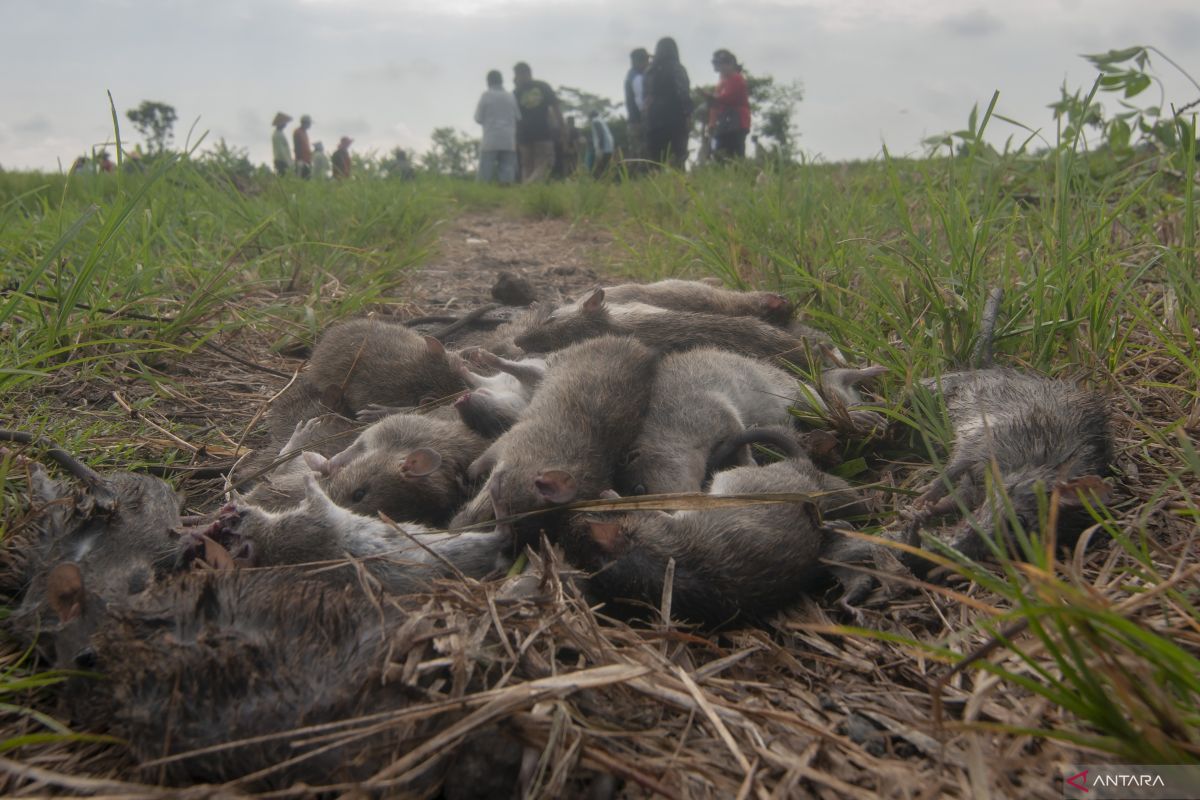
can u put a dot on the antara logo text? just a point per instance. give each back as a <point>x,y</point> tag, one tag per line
<point>1126,780</point>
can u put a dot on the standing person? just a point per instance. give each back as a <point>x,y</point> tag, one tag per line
<point>320,162</point>
<point>279,145</point>
<point>540,125</point>
<point>302,147</point>
<point>106,162</point>
<point>602,144</point>
<point>728,108</point>
<point>635,101</point>
<point>498,113</point>
<point>341,159</point>
<point>668,111</point>
<point>568,160</point>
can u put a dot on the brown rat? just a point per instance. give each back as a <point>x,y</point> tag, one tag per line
<point>683,295</point>
<point>248,656</point>
<point>408,466</point>
<point>317,530</point>
<point>730,563</point>
<point>667,330</point>
<point>372,361</point>
<point>582,419</point>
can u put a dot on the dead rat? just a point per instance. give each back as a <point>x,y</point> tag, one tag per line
<point>409,466</point>
<point>731,564</point>
<point>248,656</point>
<point>403,558</point>
<point>667,330</point>
<point>682,295</point>
<point>370,361</point>
<point>702,398</point>
<point>495,403</point>
<point>584,416</point>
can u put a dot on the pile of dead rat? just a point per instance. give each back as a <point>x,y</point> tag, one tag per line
<point>661,444</point>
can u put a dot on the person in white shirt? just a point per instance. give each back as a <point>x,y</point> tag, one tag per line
<point>320,162</point>
<point>602,144</point>
<point>635,101</point>
<point>498,113</point>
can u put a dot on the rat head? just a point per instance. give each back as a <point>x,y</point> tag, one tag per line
<point>839,388</point>
<point>555,329</point>
<point>516,491</point>
<point>776,308</point>
<point>841,384</point>
<point>316,530</point>
<point>79,613</point>
<point>122,551</point>
<point>1027,498</point>
<point>404,484</point>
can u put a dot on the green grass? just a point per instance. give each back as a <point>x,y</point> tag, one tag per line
<point>893,258</point>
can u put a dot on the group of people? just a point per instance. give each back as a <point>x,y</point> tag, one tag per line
<point>660,108</point>
<point>310,159</point>
<point>525,133</point>
<point>526,136</point>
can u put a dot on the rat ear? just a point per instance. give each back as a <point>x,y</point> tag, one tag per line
<point>820,444</point>
<point>421,462</point>
<point>314,493</point>
<point>434,346</point>
<point>215,554</point>
<point>1091,488</point>
<point>607,536</point>
<point>316,462</point>
<point>65,592</point>
<point>556,485</point>
<point>594,302</point>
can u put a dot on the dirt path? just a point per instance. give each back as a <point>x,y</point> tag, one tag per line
<point>557,257</point>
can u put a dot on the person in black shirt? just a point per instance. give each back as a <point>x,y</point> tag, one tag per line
<point>668,112</point>
<point>540,126</point>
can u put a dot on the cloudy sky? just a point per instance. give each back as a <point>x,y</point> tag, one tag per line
<point>386,72</point>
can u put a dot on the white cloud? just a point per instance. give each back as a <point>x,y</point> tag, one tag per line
<point>389,72</point>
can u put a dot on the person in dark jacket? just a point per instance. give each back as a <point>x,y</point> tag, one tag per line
<point>668,112</point>
<point>341,159</point>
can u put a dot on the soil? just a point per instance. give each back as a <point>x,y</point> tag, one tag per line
<point>558,258</point>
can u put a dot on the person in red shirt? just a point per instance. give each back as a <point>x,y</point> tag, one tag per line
<point>728,108</point>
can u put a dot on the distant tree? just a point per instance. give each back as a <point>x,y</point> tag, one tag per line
<point>577,101</point>
<point>453,153</point>
<point>154,121</point>
<point>228,158</point>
